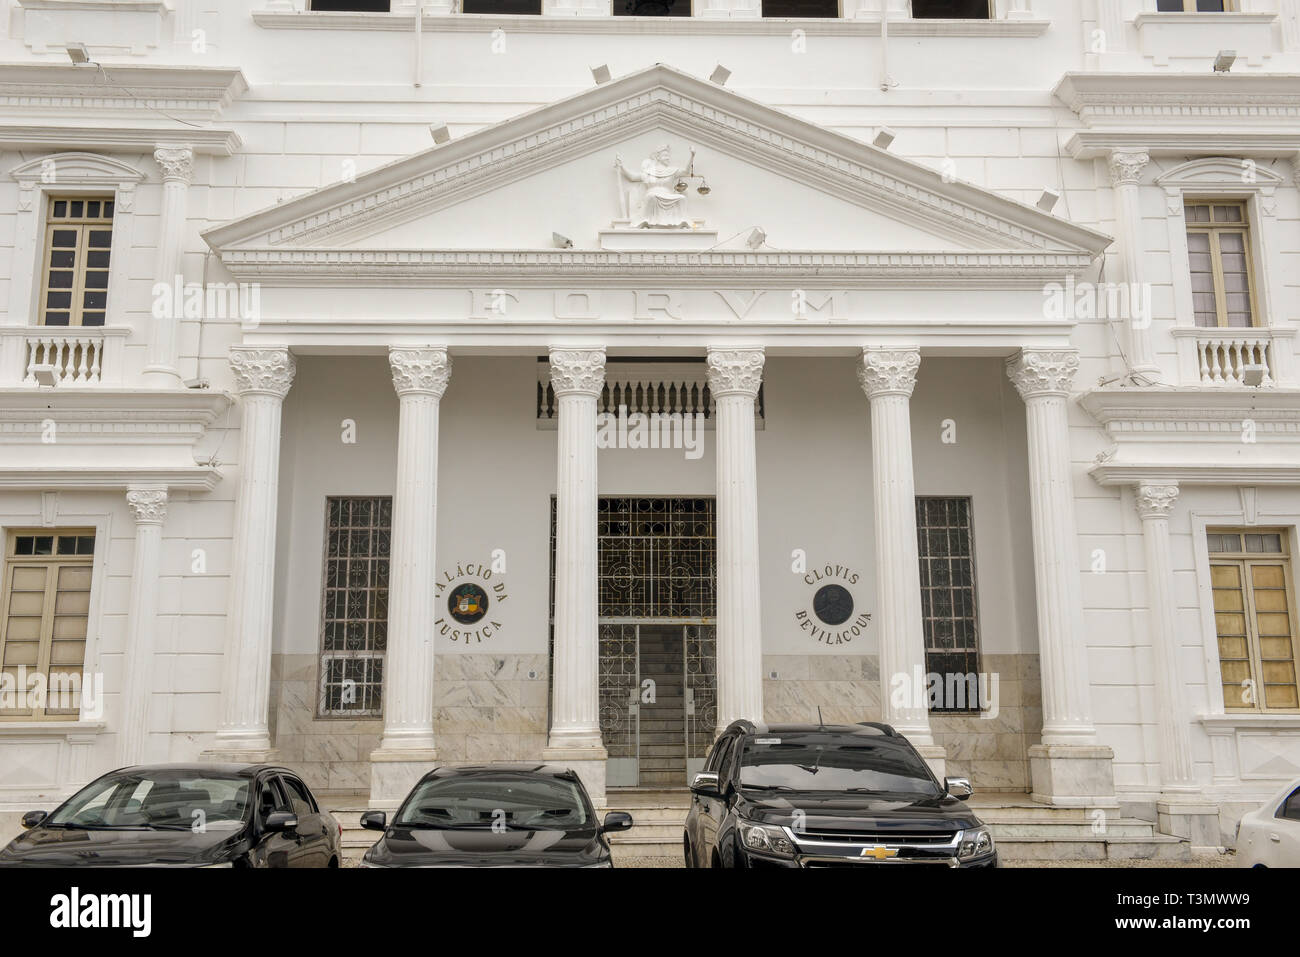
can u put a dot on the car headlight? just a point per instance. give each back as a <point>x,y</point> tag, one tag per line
<point>974,842</point>
<point>763,837</point>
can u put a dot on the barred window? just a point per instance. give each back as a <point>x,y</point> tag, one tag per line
<point>354,606</point>
<point>44,615</point>
<point>946,547</point>
<point>1250,576</point>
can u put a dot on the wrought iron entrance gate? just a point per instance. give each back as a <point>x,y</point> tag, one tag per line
<point>658,645</point>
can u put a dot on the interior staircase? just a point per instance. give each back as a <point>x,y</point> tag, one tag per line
<point>663,722</point>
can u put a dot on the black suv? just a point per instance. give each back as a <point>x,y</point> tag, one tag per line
<point>797,795</point>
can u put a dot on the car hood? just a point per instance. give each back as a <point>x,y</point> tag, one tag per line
<point>482,847</point>
<point>67,847</point>
<point>856,812</point>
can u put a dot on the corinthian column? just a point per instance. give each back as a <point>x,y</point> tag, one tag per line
<point>577,375</point>
<point>888,376</point>
<point>177,164</point>
<point>262,380</point>
<point>148,506</point>
<point>1068,768</point>
<point>1154,503</point>
<point>406,750</point>
<point>1125,173</point>
<point>735,375</point>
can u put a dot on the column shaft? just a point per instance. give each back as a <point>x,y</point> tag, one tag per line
<point>1154,503</point>
<point>735,376</point>
<point>577,376</point>
<point>149,507</point>
<point>263,378</point>
<point>1126,171</point>
<point>888,376</point>
<point>177,163</point>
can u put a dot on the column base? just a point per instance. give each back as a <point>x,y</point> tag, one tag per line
<point>588,764</point>
<point>393,772</point>
<point>1196,822</point>
<point>240,756</point>
<point>936,757</point>
<point>1072,775</point>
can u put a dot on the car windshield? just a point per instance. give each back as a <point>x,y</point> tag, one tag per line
<point>504,802</point>
<point>158,798</point>
<point>825,762</point>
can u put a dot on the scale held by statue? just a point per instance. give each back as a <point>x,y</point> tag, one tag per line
<point>654,205</point>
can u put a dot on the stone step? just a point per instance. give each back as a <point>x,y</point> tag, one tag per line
<point>655,815</point>
<point>1049,830</point>
<point>1157,847</point>
<point>662,778</point>
<point>629,799</point>
<point>670,850</point>
<point>664,764</point>
<point>669,749</point>
<point>659,831</point>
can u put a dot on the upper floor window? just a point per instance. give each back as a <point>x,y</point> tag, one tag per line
<point>78,243</point>
<point>950,9</point>
<point>510,7</point>
<point>43,619</point>
<point>1250,575</point>
<point>801,8</point>
<point>652,8</point>
<point>1218,250</point>
<point>350,6</point>
<point>1194,6</point>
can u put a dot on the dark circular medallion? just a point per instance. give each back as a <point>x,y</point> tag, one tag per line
<point>468,603</point>
<point>833,604</point>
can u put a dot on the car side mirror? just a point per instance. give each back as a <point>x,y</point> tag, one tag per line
<point>706,783</point>
<point>33,818</point>
<point>281,821</point>
<point>374,821</point>
<point>959,788</point>
<point>616,821</point>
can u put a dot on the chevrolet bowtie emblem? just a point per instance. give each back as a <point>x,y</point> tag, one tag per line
<point>879,852</point>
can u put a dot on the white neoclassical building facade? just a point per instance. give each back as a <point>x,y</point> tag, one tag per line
<point>563,382</point>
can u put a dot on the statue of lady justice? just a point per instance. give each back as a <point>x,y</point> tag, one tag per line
<point>662,206</point>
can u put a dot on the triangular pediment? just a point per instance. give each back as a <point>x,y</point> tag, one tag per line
<point>511,185</point>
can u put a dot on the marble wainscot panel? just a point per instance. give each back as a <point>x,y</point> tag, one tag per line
<point>486,708</point>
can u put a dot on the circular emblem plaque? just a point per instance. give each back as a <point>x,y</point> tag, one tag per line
<point>833,604</point>
<point>467,603</point>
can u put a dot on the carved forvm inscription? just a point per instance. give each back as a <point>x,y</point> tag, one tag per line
<point>663,305</point>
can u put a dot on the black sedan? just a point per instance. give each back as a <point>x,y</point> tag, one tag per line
<point>180,815</point>
<point>494,816</point>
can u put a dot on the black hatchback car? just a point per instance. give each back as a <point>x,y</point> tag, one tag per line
<point>827,796</point>
<point>494,816</point>
<point>181,815</point>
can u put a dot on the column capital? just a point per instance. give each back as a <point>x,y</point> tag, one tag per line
<point>148,503</point>
<point>888,370</point>
<point>1037,372</point>
<point>177,163</point>
<point>735,371</point>
<point>268,371</point>
<point>577,371</point>
<point>425,370</point>
<point>1126,166</point>
<point>1156,499</point>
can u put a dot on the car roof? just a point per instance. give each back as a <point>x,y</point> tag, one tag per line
<point>542,770</point>
<point>866,730</point>
<point>241,770</point>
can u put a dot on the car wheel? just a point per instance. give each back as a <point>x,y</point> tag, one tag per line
<point>716,860</point>
<point>334,862</point>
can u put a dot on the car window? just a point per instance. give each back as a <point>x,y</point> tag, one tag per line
<point>1290,808</point>
<point>159,798</point>
<point>820,761</point>
<point>270,799</point>
<point>721,753</point>
<point>299,796</point>
<point>499,801</point>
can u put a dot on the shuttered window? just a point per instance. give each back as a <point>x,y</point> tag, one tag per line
<point>46,609</point>
<point>1254,615</point>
